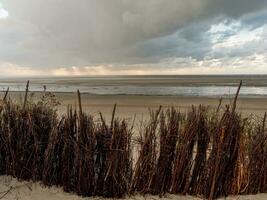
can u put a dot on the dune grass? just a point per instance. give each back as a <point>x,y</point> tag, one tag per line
<point>204,152</point>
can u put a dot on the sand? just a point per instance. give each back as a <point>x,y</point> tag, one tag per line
<point>11,189</point>
<point>131,106</point>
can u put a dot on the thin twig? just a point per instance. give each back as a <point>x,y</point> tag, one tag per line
<point>6,192</point>
<point>113,116</point>
<point>219,106</point>
<point>26,95</point>
<point>80,102</point>
<point>236,96</point>
<point>6,93</point>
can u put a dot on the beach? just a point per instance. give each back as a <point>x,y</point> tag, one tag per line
<point>134,95</point>
<point>134,106</point>
<point>134,100</point>
<point>135,109</point>
<point>129,106</point>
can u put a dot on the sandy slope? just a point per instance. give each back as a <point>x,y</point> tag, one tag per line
<point>11,189</point>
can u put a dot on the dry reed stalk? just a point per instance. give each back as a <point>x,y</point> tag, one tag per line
<point>145,165</point>
<point>103,143</point>
<point>5,96</point>
<point>25,135</point>
<point>80,102</point>
<point>236,96</point>
<point>53,165</point>
<point>184,156</point>
<point>204,154</point>
<point>203,140</point>
<point>226,151</point>
<point>257,160</point>
<point>43,120</point>
<point>3,137</point>
<point>69,177</point>
<point>20,143</point>
<point>84,156</point>
<point>220,168</point>
<point>84,145</point>
<point>219,105</point>
<point>119,171</point>
<point>240,177</point>
<point>26,95</point>
<point>169,128</point>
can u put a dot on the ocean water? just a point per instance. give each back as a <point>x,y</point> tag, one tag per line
<point>254,86</point>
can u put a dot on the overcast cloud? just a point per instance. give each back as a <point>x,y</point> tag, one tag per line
<point>86,37</point>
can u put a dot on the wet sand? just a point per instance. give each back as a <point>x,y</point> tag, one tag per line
<point>130,106</point>
<point>138,106</point>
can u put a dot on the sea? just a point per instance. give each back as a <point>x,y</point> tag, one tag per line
<point>253,86</point>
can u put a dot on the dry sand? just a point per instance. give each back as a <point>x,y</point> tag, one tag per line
<point>11,189</point>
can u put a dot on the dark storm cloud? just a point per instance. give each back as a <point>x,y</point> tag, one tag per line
<point>65,33</point>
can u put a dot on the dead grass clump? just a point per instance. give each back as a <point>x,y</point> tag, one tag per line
<point>257,154</point>
<point>146,162</point>
<point>202,144</point>
<point>220,169</point>
<point>113,158</point>
<point>119,170</point>
<point>84,156</point>
<point>194,130</point>
<point>25,134</point>
<point>53,165</point>
<point>201,153</point>
<point>69,179</point>
<point>170,122</point>
<point>103,143</point>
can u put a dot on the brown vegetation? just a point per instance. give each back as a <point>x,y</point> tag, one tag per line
<point>203,153</point>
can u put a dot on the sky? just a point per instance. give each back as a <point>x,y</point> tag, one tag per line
<point>132,37</point>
